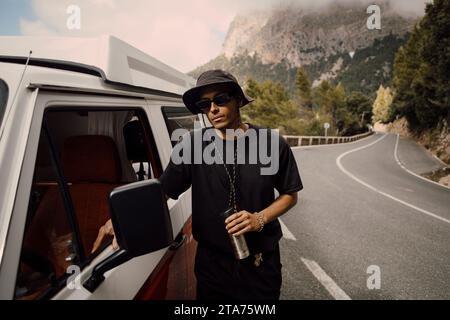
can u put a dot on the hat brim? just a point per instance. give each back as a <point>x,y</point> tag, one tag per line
<point>191,96</point>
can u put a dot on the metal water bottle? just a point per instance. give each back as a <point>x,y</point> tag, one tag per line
<point>238,243</point>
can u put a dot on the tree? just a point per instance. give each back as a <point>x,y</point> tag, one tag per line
<point>435,52</point>
<point>272,107</point>
<point>406,64</point>
<point>382,104</point>
<point>432,87</point>
<point>338,106</point>
<point>421,70</point>
<point>303,87</point>
<point>322,96</point>
<point>331,102</point>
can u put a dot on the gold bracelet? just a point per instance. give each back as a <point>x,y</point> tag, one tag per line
<point>260,221</point>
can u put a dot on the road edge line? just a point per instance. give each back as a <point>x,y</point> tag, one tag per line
<point>411,172</point>
<point>341,167</point>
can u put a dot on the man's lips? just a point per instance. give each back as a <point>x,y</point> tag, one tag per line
<point>218,118</point>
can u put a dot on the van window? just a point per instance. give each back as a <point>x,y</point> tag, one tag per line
<point>82,156</point>
<point>3,99</point>
<point>179,117</point>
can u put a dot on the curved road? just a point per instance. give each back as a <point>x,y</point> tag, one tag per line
<point>360,212</point>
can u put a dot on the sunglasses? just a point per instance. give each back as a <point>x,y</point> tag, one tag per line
<point>219,100</point>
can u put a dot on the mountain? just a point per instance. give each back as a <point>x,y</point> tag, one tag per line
<point>272,44</point>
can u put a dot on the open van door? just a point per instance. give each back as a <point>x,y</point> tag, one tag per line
<point>84,172</point>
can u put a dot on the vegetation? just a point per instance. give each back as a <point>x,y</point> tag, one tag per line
<point>272,108</point>
<point>422,72</point>
<point>303,88</point>
<point>306,113</point>
<point>382,105</point>
<point>371,66</point>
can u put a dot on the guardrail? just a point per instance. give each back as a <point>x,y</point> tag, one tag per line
<point>295,141</point>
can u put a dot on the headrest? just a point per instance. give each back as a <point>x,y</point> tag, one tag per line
<point>91,158</point>
<point>135,141</point>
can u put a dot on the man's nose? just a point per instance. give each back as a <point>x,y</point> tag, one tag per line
<point>214,107</point>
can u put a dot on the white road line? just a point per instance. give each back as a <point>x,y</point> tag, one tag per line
<point>286,233</point>
<point>409,171</point>
<point>438,159</point>
<point>331,286</point>
<point>341,167</point>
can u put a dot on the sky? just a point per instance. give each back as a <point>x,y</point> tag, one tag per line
<point>182,34</point>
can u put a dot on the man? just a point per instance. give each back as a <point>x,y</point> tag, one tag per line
<point>236,184</point>
<point>219,274</point>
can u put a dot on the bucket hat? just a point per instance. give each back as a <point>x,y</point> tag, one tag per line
<point>210,78</point>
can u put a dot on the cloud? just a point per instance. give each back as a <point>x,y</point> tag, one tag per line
<point>36,28</point>
<point>183,34</point>
<point>406,8</point>
<point>409,8</point>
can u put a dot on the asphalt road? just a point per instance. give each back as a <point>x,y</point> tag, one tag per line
<point>361,210</point>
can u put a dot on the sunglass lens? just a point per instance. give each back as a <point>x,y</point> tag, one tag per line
<point>203,104</point>
<point>222,99</point>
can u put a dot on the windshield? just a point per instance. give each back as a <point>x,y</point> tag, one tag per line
<point>3,99</point>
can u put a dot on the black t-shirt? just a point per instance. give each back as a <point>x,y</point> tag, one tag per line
<point>211,188</point>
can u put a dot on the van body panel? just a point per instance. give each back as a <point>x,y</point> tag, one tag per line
<point>168,281</point>
<point>12,152</point>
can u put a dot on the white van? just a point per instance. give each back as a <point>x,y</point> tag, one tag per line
<point>80,117</point>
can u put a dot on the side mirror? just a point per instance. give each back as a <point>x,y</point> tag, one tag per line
<point>141,223</point>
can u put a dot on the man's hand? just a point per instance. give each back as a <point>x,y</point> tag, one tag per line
<point>105,230</point>
<point>242,222</point>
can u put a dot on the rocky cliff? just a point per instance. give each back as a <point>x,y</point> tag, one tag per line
<point>332,43</point>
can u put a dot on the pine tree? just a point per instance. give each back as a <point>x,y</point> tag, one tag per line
<point>322,96</point>
<point>422,70</point>
<point>433,88</point>
<point>272,108</point>
<point>303,87</point>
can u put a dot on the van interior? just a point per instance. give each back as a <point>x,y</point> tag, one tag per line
<point>82,156</point>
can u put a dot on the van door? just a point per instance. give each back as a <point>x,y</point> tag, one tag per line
<point>80,148</point>
<point>169,117</point>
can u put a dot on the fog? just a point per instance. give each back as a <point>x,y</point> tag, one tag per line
<point>405,8</point>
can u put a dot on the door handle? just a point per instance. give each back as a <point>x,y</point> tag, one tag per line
<point>178,241</point>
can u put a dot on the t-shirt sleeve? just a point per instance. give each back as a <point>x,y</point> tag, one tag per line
<point>287,179</point>
<point>177,177</point>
